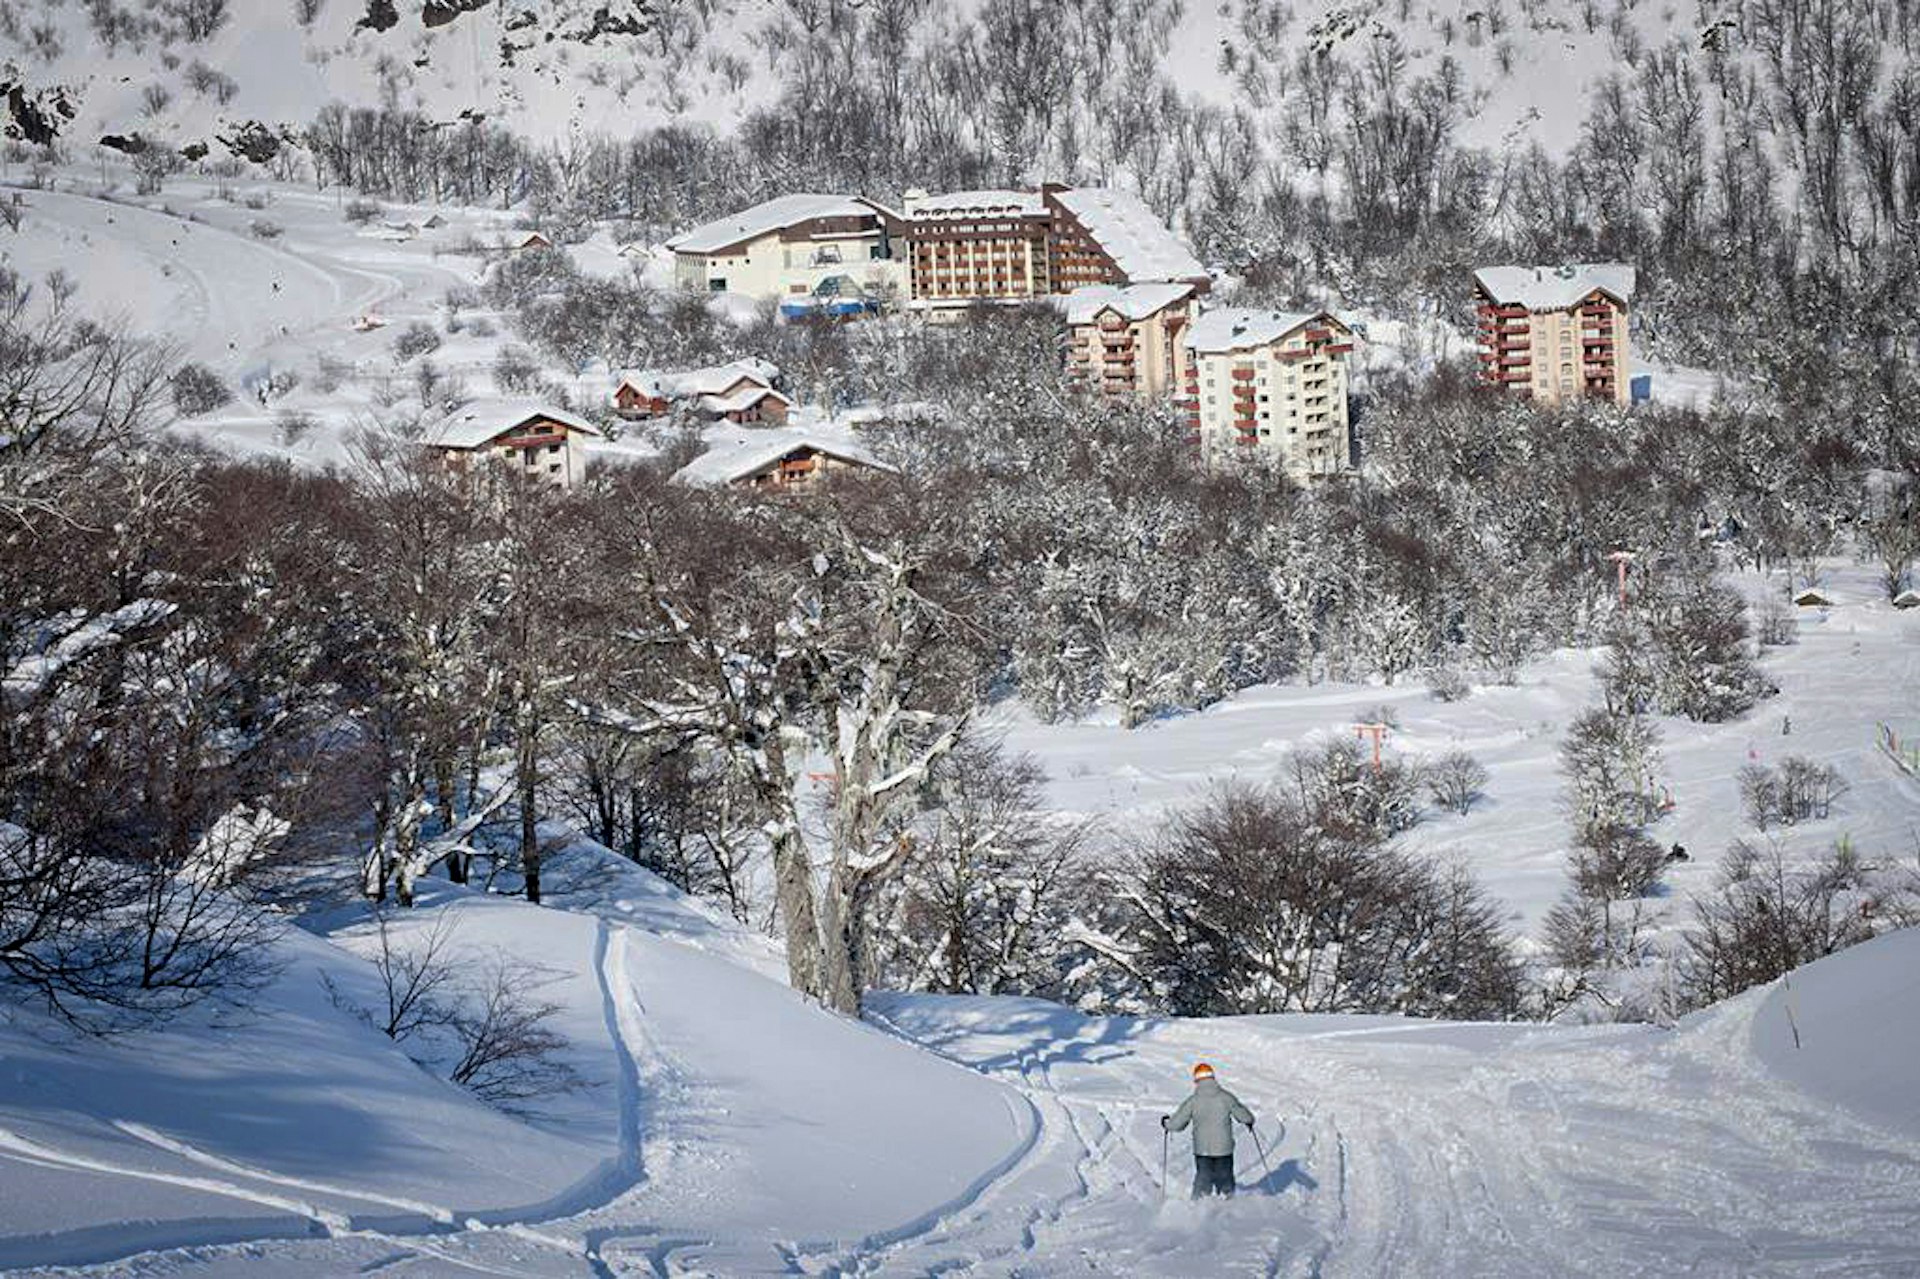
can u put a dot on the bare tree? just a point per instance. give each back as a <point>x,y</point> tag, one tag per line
<point>988,896</point>
<point>1765,918</point>
<point>1249,904</point>
<point>1455,780</point>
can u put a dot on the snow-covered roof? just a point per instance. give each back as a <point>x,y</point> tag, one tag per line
<point>1555,288</point>
<point>472,426</point>
<point>774,215</point>
<point>1238,328</point>
<point>736,454</point>
<point>715,379</point>
<point>1128,232</point>
<point>946,204</point>
<point>745,398</point>
<point>1132,301</point>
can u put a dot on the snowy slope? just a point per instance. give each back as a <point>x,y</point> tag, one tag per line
<point>740,1131</point>
<point>1515,839</point>
<point>720,1102</point>
<point>295,1121</point>
<point>558,77</point>
<point>1857,1043</point>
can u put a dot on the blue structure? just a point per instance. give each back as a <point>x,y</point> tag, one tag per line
<point>1641,388</point>
<point>837,296</point>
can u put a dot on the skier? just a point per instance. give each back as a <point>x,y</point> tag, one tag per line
<point>1212,1111</point>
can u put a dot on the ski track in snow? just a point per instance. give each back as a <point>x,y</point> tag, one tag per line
<point>424,1225</point>
<point>1506,1167</point>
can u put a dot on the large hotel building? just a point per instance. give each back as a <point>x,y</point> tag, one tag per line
<point>965,247</point>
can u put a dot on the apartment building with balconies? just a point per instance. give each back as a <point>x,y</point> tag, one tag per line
<point>1103,235</point>
<point>1555,333</point>
<point>1270,387</point>
<point>1129,340</point>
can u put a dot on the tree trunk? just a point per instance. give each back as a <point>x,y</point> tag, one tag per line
<point>839,957</point>
<point>793,884</point>
<point>527,777</point>
<point>444,784</point>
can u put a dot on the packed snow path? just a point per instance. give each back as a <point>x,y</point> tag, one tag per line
<point>1421,1149</point>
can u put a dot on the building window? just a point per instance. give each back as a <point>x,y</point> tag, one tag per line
<point>718,284</point>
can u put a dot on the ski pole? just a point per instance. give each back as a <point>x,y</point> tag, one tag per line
<point>1165,1138</point>
<point>1266,1173</point>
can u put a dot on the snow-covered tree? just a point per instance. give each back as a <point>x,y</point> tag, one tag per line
<point>825,652</point>
<point>432,591</point>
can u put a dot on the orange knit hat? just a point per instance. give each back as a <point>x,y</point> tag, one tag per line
<point>1202,1071</point>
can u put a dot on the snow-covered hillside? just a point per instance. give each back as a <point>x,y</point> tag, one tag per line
<point>730,1128</point>
<point>546,70</point>
<point>560,69</point>
<point>1516,838</point>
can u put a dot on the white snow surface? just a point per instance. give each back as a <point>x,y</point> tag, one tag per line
<point>947,204</point>
<point>1239,328</point>
<point>736,452</point>
<point>711,380</point>
<point>767,217</point>
<point>1515,840</point>
<point>737,1130</point>
<point>1132,301</point>
<point>474,424</point>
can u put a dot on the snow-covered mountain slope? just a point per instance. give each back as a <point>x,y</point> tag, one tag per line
<point>736,1130</point>
<point>545,70</point>
<point>555,69</point>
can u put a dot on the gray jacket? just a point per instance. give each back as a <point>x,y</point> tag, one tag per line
<point>1211,1110</point>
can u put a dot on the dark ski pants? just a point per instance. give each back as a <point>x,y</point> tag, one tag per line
<point>1212,1175</point>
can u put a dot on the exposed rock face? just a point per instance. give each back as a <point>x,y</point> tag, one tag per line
<point>27,115</point>
<point>438,13</point>
<point>380,16</point>
<point>253,141</point>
